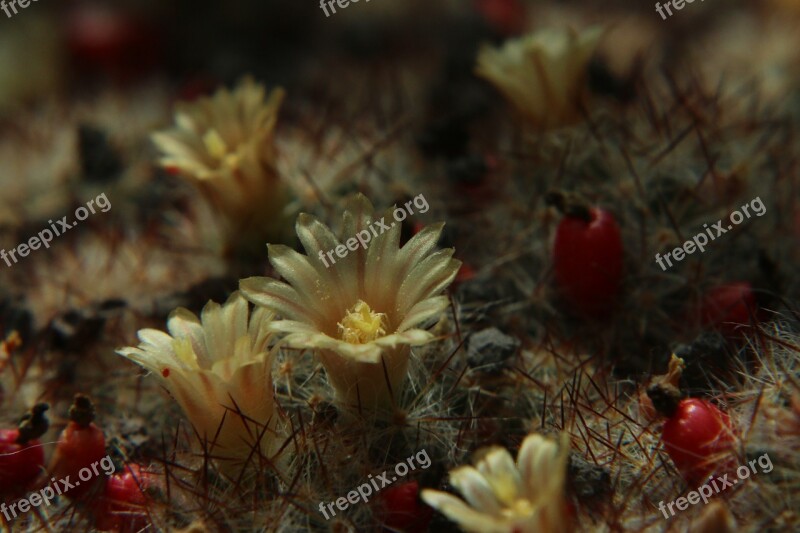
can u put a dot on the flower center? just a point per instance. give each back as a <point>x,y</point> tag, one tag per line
<point>361,324</point>
<point>521,508</point>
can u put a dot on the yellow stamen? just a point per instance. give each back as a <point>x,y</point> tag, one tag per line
<point>521,508</point>
<point>361,324</point>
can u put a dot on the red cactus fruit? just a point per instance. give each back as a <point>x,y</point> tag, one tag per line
<point>588,260</point>
<point>121,507</point>
<point>728,307</point>
<point>403,510</point>
<point>79,451</point>
<point>21,453</point>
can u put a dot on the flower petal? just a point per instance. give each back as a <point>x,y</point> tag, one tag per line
<point>224,325</point>
<point>279,298</point>
<point>428,278</point>
<point>500,471</point>
<point>423,311</point>
<point>475,488</point>
<point>466,517</point>
<point>540,459</point>
<point>318,239</point>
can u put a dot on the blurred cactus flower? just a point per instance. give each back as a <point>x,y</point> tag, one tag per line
<point>224,145</point>
<point>542,74</point>
<point>504,497</point>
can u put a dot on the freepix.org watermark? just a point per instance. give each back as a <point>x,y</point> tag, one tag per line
<point>47,495</point>
<point>46,236</point>
<point>329,4</point>
<point>699,241</point>
<point>363,237</point>
<point>677,4</point>
<point>719,484</point>
<point>13,5</point>
<point>365,490</point>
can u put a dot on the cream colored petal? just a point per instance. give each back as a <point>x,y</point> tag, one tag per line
<point>258,331</point>
<point>421,244</point>
<point>276,98</point>
<point>541,74</point>
<point>428,278</point>
<point>156,359</point>
<point>150,360</point>
<point>291,326</point>
<point>475,489</point>
<point>168,144</point>
<point>382,270</point>
<point>279,298</point>
<point>306,337</point>
<point>388,267</point>
<point>297,270</point>
<point>528,459</point>
<point>500,471</point>
<point>184,121</point>
<point>358,216</point>
<point>539,461</point>
<point>224,325</point>
<point>181,324</point>
<point>412,337</point>
<point>423,311</point>
<point>317,237</point>
<point>207,399</point>
<point>466,517</point>
<point>241,356</point>
<point>155,340</point>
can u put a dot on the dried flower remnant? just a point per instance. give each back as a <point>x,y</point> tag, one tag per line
<point>224,145</point>
<point>7,347</point>
<point>504,497</point>
<point>542,74</point>
<point>218,368</point>
<point>363,313</point>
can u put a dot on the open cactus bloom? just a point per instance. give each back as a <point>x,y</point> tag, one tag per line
<point>218,368</point>
<point>363,312</point>
<point>224,145</point>
<point>506,497</point>
<point>542,74</point>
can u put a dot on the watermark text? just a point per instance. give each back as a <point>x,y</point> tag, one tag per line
<point>365,490</point>
<point>46,236</point>
<point>719,484</point>
<point>363,237</point>
<point>699,241</point>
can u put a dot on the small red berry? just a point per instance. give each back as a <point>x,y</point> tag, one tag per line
<point>588,260</point>
<point>403,510</point>
<point>507,17</point>
<point>80,445</point>
<point>106,40</point>
<point>21,452</point>
<point>728,307</point>
<point>698,437</point>
<point>122,504</point>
